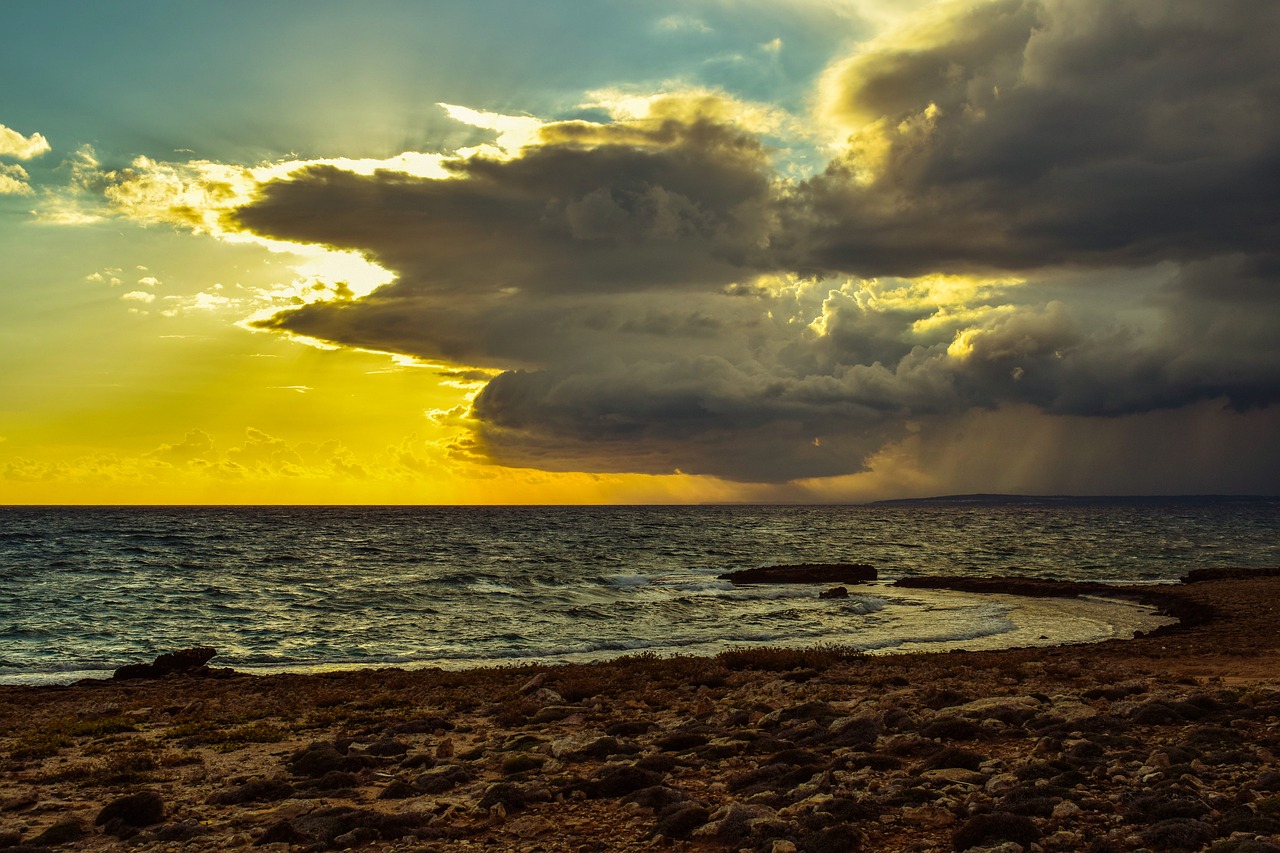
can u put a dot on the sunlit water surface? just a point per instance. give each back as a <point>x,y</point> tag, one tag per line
<point>85,590</point>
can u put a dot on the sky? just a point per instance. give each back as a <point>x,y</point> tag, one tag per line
<point>635,251</point>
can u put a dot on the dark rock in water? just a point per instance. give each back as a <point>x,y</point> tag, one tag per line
<point>141,809</point>
<point>1030,587</point>
<point>835,592</point>
<point>185,661</point>
<point>804,573</point>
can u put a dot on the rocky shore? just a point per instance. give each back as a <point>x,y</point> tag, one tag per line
<point>1162,742</point>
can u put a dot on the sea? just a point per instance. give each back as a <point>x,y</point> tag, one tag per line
<point>84,590</point>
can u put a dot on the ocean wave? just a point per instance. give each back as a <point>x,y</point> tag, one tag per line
<point>625,581</point>
<point>470,584</point>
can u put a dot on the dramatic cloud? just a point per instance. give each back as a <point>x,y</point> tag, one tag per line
<point>572,248</point>
<point>1038,214</point>
<point>1019,134</point>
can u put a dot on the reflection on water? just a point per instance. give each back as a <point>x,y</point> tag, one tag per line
<point>87,589</point>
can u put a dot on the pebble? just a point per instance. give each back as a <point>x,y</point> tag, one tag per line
<point>1066,809</point>
<point>928,815</point>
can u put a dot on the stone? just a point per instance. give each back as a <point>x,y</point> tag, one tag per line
<point>1065,810</point>
<point>1073,712</point>
<point>1006,847</point>
<point>682,820</point>
<point>618,780</point>
<point>398,789</point>
<point>437,780</point>
<point>62,832</point>
<point>281,832</point>
<point>529,826</point>
<point>183,661</point>
<point>657,798</point>
<point>336,780</point>
<point>580,745</point>
<point>734,821</point>
<point>928,815</point>
<point>316,760</point>
<point>141,809</point>
<point>546,696</point>
<point>506,794</point>
<point>97,712</point>
<point>681,741</point>
<point>995,827</point>
<point>835,592</point>
<point>534,683</point>
<point>1006,709</point>
<point>954,774</point>
<point>253,791</point>
<point>389,748</point>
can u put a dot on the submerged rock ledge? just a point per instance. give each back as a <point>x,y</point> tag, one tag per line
<point>1157,743</point>
<point>803,573</point>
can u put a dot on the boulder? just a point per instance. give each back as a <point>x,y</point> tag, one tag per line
<point>835,592</point>
<point>127,813</point>
<point>62,832</point>
<point>184,661</point>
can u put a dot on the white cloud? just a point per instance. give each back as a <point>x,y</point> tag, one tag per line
<point>683,23</point>
<point>13,180</point>
<point>14,144</point>
<point>139,296</point>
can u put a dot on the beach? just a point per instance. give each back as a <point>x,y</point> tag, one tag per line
<point>1167,741</point>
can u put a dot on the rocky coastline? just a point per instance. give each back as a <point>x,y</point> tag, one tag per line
<point>1164,742</point>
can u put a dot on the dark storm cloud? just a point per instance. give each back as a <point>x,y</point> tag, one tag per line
<point>1020,134</point>
<point>705,415</point>
<point>660,301</point>
<point>519,261</point>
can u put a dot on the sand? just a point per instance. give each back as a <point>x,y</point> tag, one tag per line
<point>1163,742</point>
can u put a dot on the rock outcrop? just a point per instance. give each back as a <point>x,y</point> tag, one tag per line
<point>184,661</point>
<point>841,573</point>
